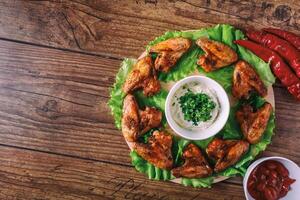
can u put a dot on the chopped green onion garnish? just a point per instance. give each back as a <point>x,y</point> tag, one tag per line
<point>196,107</point>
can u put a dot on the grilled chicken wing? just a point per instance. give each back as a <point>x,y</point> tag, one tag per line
<point>195,165</point>
<point>130,119</point>
<point>232,156</point>
<point>217,54</point>
<point>150,118</point>
<point>157,151</point>
<point>169,52</point>
<point>226,152</point>
<point>142,76</point>
<point>253,124</point>
<point>136,122</point>
<point>151,86</point>
<point>218,148</point>
<point>245,80</point>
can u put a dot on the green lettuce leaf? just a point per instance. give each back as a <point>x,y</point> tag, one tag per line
<point>193,35</point>
<point>150,170</point>
<point>116,94</point>
<point>231,129</point>
<point>223,76</point>
<point>197,182</point>
<point>178,147</point>
<point>157,100</point>
<point>186,65</point>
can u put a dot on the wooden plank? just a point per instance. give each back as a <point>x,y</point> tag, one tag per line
<point>56,101</point>
<point>33,175</point>
<point>287,119</point>
<point>123,28</point>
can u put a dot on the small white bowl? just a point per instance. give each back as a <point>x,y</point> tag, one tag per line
<point>293,169</point>
<point>221,119</point>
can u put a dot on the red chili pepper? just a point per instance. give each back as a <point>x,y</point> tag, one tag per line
<point>282,47</point>
<point>279,68</point>
<point>295,90</point>
<point>291,37</point>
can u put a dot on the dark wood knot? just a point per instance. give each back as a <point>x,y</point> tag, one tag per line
<point>282,13</point>
<point>49,110</point>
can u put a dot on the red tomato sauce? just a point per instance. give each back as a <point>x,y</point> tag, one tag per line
<point>269,181</point>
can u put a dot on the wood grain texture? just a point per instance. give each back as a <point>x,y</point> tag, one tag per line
<point>123,28</point>
<point>58,59</point>
<point>57,101</point>
<point>33,175</point>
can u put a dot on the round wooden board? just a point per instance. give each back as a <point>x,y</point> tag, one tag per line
<point>167,86</point>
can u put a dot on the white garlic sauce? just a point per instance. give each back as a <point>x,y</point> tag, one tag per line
<point>177,114</point>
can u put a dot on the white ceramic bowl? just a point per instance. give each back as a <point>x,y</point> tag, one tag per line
<point>218,123</point>
<point>293,169</point>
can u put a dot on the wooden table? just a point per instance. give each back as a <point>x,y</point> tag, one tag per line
<point>58,60</point>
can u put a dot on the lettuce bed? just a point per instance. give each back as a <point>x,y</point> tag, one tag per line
<point>184,67</point>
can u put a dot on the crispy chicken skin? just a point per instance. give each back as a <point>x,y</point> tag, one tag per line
<point>136,122</point>
<point>195,165</point>
<point>245,80</point>
<point>151,86</point>
<point>130,119</point>
<point>169,52</point>
<point>157,151</point>
<point>232,156</point>
<point>217,54</point>
<point>253,124</point>
<point>150,118</point>
<point>218,148</point>
<point>226,152</point>
<point>142,76</point>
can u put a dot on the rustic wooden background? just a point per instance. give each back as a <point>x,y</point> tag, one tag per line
<point>57,61</point>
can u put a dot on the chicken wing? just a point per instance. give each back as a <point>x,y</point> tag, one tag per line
<point>226,152</point>
<point>218,148</point>
<point>195,165</point>
<point>157,151</point>
<point>130,118</point>
<point>169,52</point>
<point>245,80</point>
<point>253,124</point>
<point>217,54</point>
<point>150,118</point>
<point>151,86</point>
<point>136,122</point>
<point>142,76</point>
<point>232,156</point>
